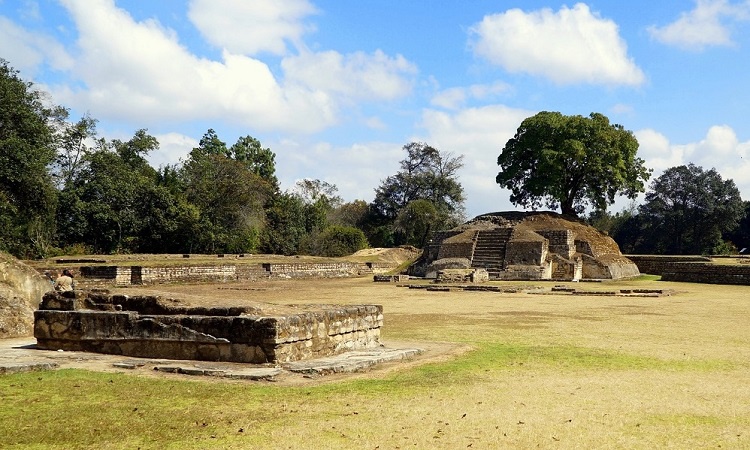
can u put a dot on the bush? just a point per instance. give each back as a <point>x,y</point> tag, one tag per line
<point>339,240</point>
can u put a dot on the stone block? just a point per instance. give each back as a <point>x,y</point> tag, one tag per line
<point>152,328</point>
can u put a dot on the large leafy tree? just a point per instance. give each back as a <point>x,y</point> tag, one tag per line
<point>415,221</point>
<point>261,161</point>
<point>286,227</point>
<point>231,188</point>
<point>27,194</point>
<point>105,204</point>
<point>688,209</point>
<point>425,174</point>
<point>570,162</point>
<point>352,214</point>
<point>320,199</point>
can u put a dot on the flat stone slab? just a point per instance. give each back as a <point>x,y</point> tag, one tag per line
<point>252,373</point>
<point>21,355</point>
<point>352,361</point>
<point>9,368</point>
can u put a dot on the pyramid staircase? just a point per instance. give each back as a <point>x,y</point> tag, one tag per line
<point>489,250</point>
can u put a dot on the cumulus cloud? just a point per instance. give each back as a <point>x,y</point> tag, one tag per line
<point>173,147</point>
<point>140,72</point>
<point>27,50</point>
<point>250,27</point>
<point>655,149</point>
<point>720,149</point>
<point>358,76</point>
<point>367,164</point>
<point>708,24</point>
<point>572,45</point>
<point>479,134</point>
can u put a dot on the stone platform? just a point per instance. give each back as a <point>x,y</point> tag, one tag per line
<point>151,327</point>
<point>22,355</point>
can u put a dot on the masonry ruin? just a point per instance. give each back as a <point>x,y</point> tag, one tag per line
<point>153,327</point>
<point>525,246</point>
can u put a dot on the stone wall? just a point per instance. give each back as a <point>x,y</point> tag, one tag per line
<point>691,269</point>
<point>526,253</point>
<point>456,250</point>
<point>475,275</point>
<point>658,264</point>
<point>560,242</point>
<point>320,270</point>
<point>147,327</point>
<point>103,276</point>
<point>707,273</point>
<point>618,266</point>
<point>512,273</point>
<point>564,269</point>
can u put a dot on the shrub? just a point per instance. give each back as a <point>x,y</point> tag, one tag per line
<point>339,240</point>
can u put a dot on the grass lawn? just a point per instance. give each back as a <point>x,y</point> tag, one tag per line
<point>544,371</point>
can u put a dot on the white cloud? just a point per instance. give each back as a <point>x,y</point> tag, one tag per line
<point>456,97</point>
<point>356,170</point>
<point>250,27</point>
<point>173,147</point>
<point>708,24</point>
<point>479,134</point>
<point>654,148</point>
<point>569,46</point>
<point>25,50</point>
<point>720,149</point>
<point>451,98</point>
<point>140,72</point>
<point>358,76</point>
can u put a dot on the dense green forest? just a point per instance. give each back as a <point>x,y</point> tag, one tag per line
<point>66,190</point>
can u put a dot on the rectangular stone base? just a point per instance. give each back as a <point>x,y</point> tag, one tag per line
<point>147,327</point>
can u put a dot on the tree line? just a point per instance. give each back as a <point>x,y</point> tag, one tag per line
<point>65,190</point>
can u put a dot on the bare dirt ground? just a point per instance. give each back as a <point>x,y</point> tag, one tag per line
<point>549,370</point>
<point>438,322</point>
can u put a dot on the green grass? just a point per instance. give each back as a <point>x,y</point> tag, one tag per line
<point>77,409</point>
<point>647,277</point>
<point>542,372</point>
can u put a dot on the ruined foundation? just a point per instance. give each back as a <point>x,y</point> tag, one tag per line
<point>151,327</point>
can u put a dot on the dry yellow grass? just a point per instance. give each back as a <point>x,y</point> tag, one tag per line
<point>546,371</point>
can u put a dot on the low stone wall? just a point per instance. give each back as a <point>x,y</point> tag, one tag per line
<point>390,278</point>
<point>708,273</point>
<point>691,269</point>
<point>658,264</point>
<point>144,326</point>
<point>474,275</point>
<point>92,277</point>
<point>317,270</point>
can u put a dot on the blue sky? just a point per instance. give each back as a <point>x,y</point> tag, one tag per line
<point>336,88</point>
